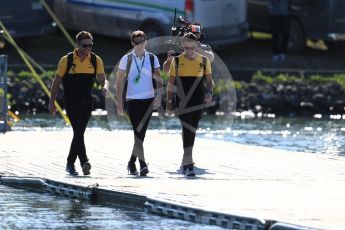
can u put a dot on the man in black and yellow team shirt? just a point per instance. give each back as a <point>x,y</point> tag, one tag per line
<point>77,72</point>
<point>188,72</point>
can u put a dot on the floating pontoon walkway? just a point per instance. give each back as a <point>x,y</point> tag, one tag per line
<point>237,186</point>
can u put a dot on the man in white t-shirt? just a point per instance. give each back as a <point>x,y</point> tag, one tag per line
<point>140,97</point>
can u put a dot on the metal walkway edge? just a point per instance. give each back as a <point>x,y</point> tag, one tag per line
<point>106,197</point>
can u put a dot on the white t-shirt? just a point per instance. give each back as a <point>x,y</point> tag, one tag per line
<point>144,88</point>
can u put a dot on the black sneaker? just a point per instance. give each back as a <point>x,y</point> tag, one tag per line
<point>183,170</point>
<point>71,170</point>
<point>132,170</point>
<point>144,170</point>
<point>86,168</point>
<point>190,171</point>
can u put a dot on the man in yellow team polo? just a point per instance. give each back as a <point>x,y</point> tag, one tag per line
<point>188,72</point>
<point>77,72</point>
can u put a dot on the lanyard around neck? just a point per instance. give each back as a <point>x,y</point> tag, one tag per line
<point>137,78</point>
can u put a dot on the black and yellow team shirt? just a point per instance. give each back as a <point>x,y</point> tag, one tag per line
<point>190,68</point>
<point>190,71</point>
<point>78,82</point>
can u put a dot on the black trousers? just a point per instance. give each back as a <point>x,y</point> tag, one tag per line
<point>79,115</point>
<point>189,122</point>
<point>140,112</point>
<point>280,29</point>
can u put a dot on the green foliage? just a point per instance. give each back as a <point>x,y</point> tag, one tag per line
<point>336,78</point>
<point>2,93</point>
<point>260,78</point>
<point>27,75</point>
<point>223,85</point>
<point>10,74</point>
<point>238,85</point>
<point>286,78</point>
<point>48,75</point>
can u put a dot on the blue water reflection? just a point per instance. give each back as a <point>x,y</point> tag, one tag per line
<point>20,209</point>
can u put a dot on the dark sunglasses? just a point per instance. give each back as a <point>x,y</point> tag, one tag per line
<point>139,42</point>
<point>189,48</point>
<point>87,45</point>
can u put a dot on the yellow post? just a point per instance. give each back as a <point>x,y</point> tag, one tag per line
<point>62,28</point>
<point>44,87</point>
<point>14,116</point>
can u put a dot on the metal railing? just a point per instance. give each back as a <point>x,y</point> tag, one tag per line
<point>3,93</point>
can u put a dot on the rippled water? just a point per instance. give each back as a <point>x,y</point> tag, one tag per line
<point>21,209</point>
<point>322,136</point>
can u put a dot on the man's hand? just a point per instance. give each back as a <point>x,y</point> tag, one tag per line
<point>53,92</point>
<point>157,102</point>
<point>171,55</point>
<point>104,91</point>
<point>120,110</point>
<point>52,108</point>
<point>105,86</point>
<point>208,98</point>
<point>169,109</point>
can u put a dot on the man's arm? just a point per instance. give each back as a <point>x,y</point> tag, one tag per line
<point>53,93</point>
<point>209,88</point>
<point>121,74</point>
<point>159,83</point>
<point>170,94</point>
<point>209,82</point>
<point>166,64</point>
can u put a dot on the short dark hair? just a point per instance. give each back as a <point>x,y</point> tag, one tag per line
<point>189,37</point>
<point>138,33</point>
<point>83,35</point>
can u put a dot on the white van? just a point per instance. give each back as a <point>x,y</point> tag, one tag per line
<point>223,21</point>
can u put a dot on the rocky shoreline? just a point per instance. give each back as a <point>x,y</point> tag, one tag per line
<point>293,96</point>
<point>298,99</point>
<point>281,95</point>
